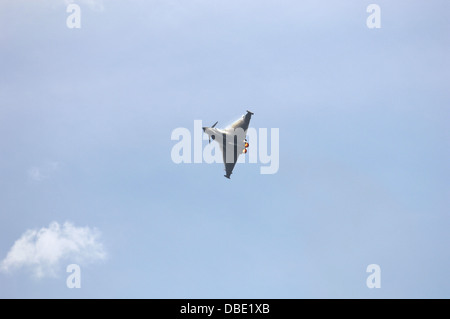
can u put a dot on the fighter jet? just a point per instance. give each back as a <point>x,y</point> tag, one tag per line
<point>232,140</point>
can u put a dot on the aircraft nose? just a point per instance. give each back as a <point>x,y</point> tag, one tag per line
<point>204,129</point>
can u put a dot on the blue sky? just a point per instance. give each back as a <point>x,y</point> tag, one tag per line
<point>86,117</point>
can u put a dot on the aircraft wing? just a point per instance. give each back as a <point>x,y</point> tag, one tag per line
<point>230,161</point>
<point>229,169</point>
<point>232,140</point>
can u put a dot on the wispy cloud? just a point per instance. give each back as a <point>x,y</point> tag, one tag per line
<point>40,173</point>
<point>35,174</point>
<point>43,251</point>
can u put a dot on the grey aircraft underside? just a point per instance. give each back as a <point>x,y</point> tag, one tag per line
<point>232,140</point>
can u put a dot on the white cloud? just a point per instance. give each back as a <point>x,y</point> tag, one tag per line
<point>35,174</point>
<point>40,173</point>
<point>43,251</point>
